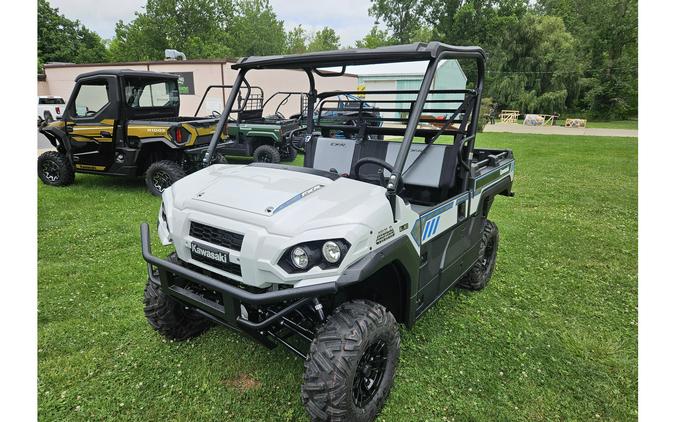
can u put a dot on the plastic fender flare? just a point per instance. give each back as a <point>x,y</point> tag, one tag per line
<point>56,137</point>
<point>159,139</point>
<point>258,134</point>
<point>498,188</point>
<point>399,251</point>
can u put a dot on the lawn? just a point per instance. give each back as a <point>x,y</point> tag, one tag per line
<point>554,336</point>
<point>631,124</point>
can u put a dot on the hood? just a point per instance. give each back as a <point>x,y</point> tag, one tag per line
<point>260,190</point>
<point>283,201</point>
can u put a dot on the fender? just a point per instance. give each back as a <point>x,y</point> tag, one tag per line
<point>400,251</point>
<point>57,137</point>
<point>502,187</point>
<point>163,140</point>
<point>257,134</point>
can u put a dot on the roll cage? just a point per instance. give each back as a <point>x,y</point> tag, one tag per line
<point>459,121</point>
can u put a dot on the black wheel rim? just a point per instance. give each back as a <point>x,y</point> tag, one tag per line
<point>161,180</point>
<point>50,170</point>
<point>264,157</point>
<point>369,373</point>
<point>488,256</point>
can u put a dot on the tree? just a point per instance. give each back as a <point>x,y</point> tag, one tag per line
<point>375,38</point>
<point>296,40</point>
<point>324,40</point>
<point>256,30</point>
<point>195,27</point>
<point>402,17</point>
<point>607,34</point>
<point>537,71</point>
<point>63,40</point>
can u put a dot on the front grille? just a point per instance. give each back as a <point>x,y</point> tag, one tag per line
<point>229,267</point>
<point>216,236</point>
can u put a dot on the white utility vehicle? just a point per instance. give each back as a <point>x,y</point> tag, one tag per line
<point>328,259</point>
<point>50,108</point>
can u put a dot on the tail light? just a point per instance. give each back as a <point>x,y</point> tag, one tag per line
<point>181,135</point>
<point>58,110</point>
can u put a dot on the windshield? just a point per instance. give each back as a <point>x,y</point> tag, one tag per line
<point>142,93</point>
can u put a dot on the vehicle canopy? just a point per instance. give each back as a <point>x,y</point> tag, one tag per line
<point>424,113</point>
<point>144,94</point>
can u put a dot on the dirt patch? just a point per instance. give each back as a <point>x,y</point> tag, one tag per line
<point>242,382</point>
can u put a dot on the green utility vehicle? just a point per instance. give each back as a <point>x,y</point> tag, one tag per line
<point>268,139</point>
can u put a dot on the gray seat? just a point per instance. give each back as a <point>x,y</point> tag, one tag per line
<point>333,153</point>
<point>428,173</point>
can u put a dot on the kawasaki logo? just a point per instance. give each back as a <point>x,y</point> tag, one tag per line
<point>208,253</point>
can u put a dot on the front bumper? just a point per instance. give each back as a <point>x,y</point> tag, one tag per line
<point>227,310</point>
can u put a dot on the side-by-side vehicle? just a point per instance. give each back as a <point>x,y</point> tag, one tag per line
<point>329,258</point>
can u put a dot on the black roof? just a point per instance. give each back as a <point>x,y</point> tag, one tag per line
<point>126,72</point>
<point>358,56</point>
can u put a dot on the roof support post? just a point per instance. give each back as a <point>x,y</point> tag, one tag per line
<point>222,122</point>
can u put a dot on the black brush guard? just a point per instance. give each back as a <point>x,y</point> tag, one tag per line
<point>229,312</point>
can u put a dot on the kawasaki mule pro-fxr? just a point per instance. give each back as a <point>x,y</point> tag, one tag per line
<point>369,234</point>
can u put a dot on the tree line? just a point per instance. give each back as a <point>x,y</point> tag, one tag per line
<point>544,56</point>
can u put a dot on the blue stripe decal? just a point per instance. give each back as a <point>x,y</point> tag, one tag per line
<point>430,227</point>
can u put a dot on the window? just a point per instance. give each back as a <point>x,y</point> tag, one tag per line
<point>91,98</point>
<point>140,93</point>
<point>51,101</point>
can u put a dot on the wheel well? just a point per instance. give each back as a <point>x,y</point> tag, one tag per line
<point>260,140</point>
<point>153,152</point>
<point>389,286</point>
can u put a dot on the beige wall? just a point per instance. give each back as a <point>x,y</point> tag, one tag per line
<point>61,80</point>
<point>43,88</point>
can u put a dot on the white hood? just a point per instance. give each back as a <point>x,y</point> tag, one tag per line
<point>283,201</point>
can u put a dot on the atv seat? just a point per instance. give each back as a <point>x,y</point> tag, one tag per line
<point>428,173</point>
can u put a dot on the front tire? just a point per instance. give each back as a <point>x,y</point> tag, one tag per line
<point>54,169</point>
<point>161,175</point>
<point>351,364</point>
<point>479,275</point>
<point>266,154</point>
<point>170,318</point>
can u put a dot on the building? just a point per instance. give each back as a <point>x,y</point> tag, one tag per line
<point>195,77</point>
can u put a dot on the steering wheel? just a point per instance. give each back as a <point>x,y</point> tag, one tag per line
<point>381,163</point>
<point>279,115</point>
<point>90,113</point>
<point>215,113</point>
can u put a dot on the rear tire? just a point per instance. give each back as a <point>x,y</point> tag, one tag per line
<point>48,117</point>
<point>54,169</point>
<point>351,364</point>
<point>170,318</point>
<point>161,175</point>
<point>266,154</point>
<point>479,275</point>
<point>290,155</point>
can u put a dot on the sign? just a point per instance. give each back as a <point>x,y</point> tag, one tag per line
<point>362,89</point>
<point>186,83</point>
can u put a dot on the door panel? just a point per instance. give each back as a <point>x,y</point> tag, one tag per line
<point>90,123</point>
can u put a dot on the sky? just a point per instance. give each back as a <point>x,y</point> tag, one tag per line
<point>349,18</point>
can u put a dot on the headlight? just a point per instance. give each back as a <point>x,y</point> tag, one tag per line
<point>322,253</point>
<point>300,258</point>
<point>331,252</point>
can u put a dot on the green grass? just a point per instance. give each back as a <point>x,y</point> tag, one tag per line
<point>554,336</point>
<point>614,124</point>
